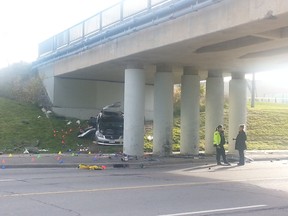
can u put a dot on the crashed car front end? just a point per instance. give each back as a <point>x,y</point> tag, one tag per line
<point>108,139</point>
<point>110,125</point>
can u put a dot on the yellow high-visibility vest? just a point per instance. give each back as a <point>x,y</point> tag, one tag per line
<point>216,138</point>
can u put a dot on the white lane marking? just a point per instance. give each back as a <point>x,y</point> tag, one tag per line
<point>216,210</point>
<point>135,187</point>
<point>7,180</point>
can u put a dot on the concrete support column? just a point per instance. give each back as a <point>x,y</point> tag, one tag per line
<point>237,107</point>
<point>134,103</point>
<point>190,114</point>
<point>214,107</point>
<point>163,111</point>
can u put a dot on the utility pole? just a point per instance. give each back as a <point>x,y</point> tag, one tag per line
<point>253,90</point>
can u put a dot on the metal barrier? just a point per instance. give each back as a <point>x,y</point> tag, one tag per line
<point>280,100</point>
<point>115,20</point>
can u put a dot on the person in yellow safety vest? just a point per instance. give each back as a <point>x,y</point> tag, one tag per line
<point>218,142</point>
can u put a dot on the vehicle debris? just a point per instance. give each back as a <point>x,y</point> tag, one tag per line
<point>91,167</point>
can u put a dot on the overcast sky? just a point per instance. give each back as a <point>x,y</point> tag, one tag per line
<point>26,23</point>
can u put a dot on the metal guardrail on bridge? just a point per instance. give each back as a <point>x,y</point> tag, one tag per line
<point>120,19</point>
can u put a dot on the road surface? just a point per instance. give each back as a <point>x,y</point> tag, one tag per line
<point>259,188</point>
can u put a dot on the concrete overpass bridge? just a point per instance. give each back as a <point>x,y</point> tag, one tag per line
<point>135,52</point>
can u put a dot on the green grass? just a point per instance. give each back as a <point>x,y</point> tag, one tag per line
<point>268,126</point>
<point>25,125</point>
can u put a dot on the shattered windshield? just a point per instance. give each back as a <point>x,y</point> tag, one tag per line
<point>111,125</point>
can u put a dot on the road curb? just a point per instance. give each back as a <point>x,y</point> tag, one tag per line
<point>68,161</point>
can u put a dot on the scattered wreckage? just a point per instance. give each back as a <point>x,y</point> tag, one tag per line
<point>107,127</point>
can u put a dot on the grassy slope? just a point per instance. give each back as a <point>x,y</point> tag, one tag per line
<point>21,126</point>
<point>268,126</point>
<point>24,125</point>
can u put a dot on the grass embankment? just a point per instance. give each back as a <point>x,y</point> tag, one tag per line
<point>25,125</point>
<point>267,127</point>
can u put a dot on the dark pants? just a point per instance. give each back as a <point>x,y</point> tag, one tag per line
<point>220,151</point>
<point>241,157</point>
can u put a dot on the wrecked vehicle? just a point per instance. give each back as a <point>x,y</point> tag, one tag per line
<point>89,132</point>
<point>109,129</point>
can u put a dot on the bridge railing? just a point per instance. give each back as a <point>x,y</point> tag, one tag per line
<point>98,22</point>
<point>106,20</point>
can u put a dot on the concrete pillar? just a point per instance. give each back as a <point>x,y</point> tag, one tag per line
<point>237,107</point>
<point>134,103</point>
<point>214,107</point>
<point>163,111</point>
<point>190,113</point>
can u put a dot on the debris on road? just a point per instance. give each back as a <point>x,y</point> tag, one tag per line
<point>91,167</point>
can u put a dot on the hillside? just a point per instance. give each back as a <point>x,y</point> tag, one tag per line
<point>26,126</point>
<point>268,126</point>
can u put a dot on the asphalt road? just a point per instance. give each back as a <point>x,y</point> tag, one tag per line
<point>259,188</point>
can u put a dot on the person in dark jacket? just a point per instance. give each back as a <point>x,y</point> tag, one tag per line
<point>241,145</point>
